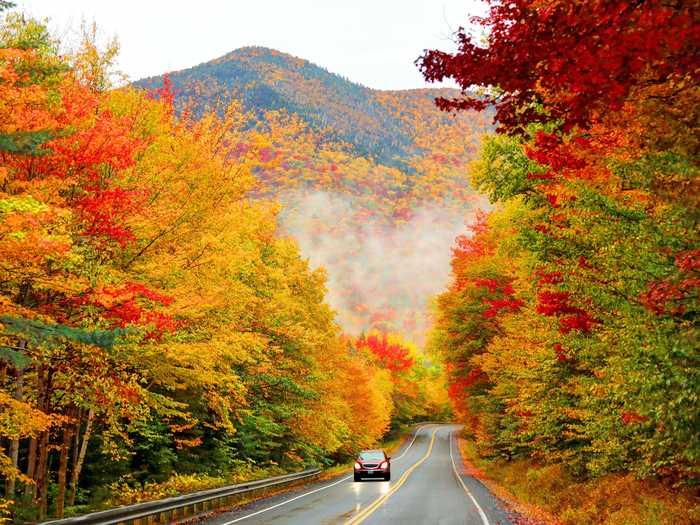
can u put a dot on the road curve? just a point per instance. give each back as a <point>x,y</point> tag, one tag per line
<point>427,487</point>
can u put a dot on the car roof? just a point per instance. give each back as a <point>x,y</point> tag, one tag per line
<point>372,450</point>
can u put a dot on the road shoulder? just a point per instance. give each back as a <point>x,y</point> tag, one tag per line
<point>497,509</point>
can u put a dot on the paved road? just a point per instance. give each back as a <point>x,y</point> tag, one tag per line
<point>425,489</point>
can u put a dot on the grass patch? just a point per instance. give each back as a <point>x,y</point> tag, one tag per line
<point>547,494</point>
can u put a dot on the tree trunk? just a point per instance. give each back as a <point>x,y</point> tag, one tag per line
<point>31,467</point>
<point>76,449</point>
<point>32,471</point>
<point>14,444</point>
<point>75,475</point>
<point>42,475</point>
<point>42,481</point>
<point>62,470</point>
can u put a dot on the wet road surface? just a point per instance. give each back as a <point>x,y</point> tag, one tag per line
<point>427,487</point>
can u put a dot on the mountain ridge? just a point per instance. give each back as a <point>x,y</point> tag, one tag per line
<point>376,122</point>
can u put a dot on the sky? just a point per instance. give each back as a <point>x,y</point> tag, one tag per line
<point>373,42</point>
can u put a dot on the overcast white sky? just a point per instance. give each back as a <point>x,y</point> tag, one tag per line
<point>373,42</point>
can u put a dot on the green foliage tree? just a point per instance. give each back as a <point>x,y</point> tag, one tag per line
<point>597,366</point>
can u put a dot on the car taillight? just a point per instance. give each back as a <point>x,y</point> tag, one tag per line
<point>357,466</point>
<point>384,465</point>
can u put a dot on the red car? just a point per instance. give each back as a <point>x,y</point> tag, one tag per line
<point>372,464</point>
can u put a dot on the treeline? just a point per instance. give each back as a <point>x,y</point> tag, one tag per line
<point>571,326</point>
<point>155,331</point>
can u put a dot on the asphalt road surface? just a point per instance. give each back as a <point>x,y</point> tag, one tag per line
<point>427,487</point>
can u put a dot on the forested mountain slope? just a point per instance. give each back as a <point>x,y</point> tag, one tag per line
<point>380,124</point>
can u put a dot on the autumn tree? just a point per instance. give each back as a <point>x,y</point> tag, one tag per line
<point>595,368</point>
<point>153,321</point>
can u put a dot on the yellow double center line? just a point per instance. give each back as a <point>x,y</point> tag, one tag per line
<point>367,512</point>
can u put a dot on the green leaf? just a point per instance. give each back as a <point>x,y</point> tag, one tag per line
<point>41,332</point>
<point>25,143</point>
<point>14,357</point>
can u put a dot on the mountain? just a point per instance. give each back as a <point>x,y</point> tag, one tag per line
<point>374,184</point>
<point>378,124</point>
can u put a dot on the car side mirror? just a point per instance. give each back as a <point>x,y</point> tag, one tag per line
<point>388,457</point>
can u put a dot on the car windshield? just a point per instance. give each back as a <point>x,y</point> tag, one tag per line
<point>372,456</point>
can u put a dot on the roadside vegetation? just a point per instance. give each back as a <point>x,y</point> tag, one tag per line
<point>570,330</point>
<point>548,494</point>
<point>157,334</point>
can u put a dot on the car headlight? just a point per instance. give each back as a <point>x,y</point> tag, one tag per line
<point>357,466</point>
<point>384,465</point>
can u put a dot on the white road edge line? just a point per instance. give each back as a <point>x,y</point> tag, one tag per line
<point>318,489</point>
<point>415,435</point>
<point>286,501</point>
<point>484,519</point>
